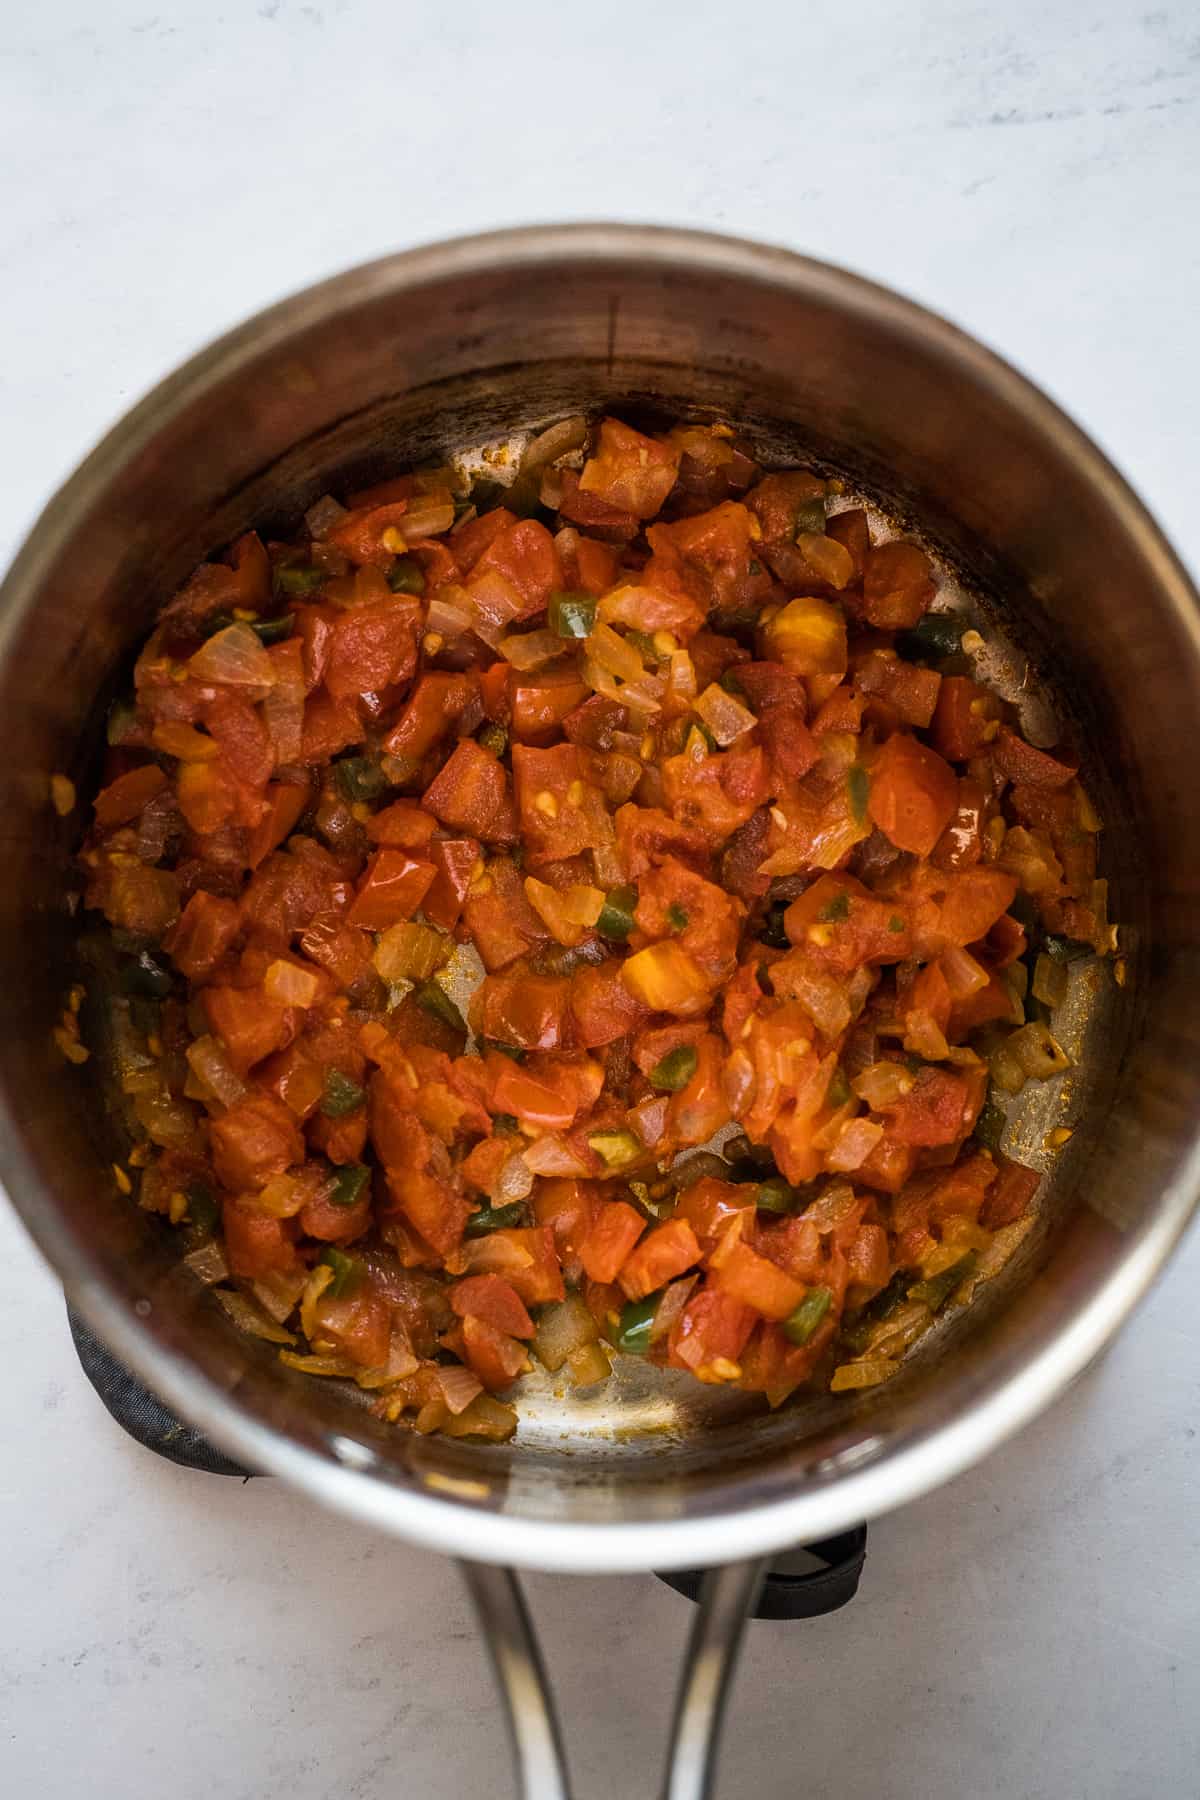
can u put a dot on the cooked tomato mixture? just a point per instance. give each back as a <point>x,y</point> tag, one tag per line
<point>672,776</point>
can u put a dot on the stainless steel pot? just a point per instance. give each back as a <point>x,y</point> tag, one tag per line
<point>436,348</point>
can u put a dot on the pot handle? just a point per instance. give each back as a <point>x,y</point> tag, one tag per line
<point>726,1600</point>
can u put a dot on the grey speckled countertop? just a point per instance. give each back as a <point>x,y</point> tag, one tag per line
<point>1034,172</point>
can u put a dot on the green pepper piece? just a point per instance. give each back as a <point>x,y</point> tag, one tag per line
<point>677,917</point>
<point>348,1184</point>
<point>989,1126</point>
<point>359,778</point>
<point>493,738</point>
<point>858,1334</point>
<point>571,615</point>
<point>348,1271</point>
<point>802,1324</point>
<point>146,976</point>
<point>342,1096</point>
<point>775,1195</point>
<point>637,1320</point>
<point>858,787</point>
<point>771,931</point>
<point>731,684</point>
<point>810,517</point>
<point>434,1000</point>
<point>494,1218</point>
<point>616,915</point>
<point>505,1122</point>
<point>202,1209</point>
<point>836,911</point>
<point>511,1050</point>
<point>643,643</point>
<point>274,631</point>
<point>406,576</point>
<point>615,1148</point>
<point>931,638</point>
<point>937,1290</point>
<point>839,1091</point>
<point>295,578</point>
<point>675,1070</point>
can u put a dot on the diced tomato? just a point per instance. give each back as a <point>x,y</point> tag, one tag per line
<point>1012,1195</point>
<point>974,899</point>
<point>255,1243</point>
<point>909,690</point>
<point>611,1236</point>
<point>934,1111</point>
<point>285,804</point>
<point>471,795</point>
<point>667,1251</point>
<point>561,811</point>
<point>743,1275</point>
<point>840,925</point>
<point>568,1207</point>
<point>524,553</point>
<point>852,531</point>
<point>964,719</point>
<point>373,646</point>
<point>248,1023</point>
<point>700,1109</point>
<point>502,924</point>
<point>675,902</point>
<point>601,1006</point>
<point>549,1094</point>
<point>359,1326</point>
<point>330,725</point>
<point>526,1257</point>
<point>242,735</point>
<point>492,1298</point>
<point>255,1138</point>
<point>495,1357</point>
<point>359,535</point>
<point>391,890</point>
<point>323,1219</point>
<point>128,796</point>
<point>541,703</point>
<point>629,471</point>
<point>437,701</point>
<point>719,793</point>
<point>469,540</point>
<point>913,794</point>
<point>402,826</point>
<point>455,861</point>
<point>202,934</point>
<point>1021,762</point>
<point>527,1011</point>
<point>710,1334</point>
<point>897,585</point>
<point>888,1165</point>
<point>868,1261</point>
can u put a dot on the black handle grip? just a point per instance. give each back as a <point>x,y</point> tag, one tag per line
<point>808,1594</point>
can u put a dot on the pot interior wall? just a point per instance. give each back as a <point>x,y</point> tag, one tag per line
<point>418,361</point>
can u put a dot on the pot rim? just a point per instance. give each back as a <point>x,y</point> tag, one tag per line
<point>438,1519</point>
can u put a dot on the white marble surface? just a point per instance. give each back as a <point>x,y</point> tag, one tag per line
<point>1032,170</point>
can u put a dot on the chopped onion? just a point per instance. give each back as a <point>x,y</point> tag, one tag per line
<point>1037,1052</point>
<point>251,1318</point>
<point>565,1326</point>
<point>831,1208</point>
<point>486,1417</point>
<point>724,715</point>
<point>589,1364</point>
<point>1002,1246</point>
<point>496,1254</point>
<point>210,1066</point>
<point>882,1084</point>
<point>167,1122</point>
<point>233,658</point>
<point>283,713</point>
<point>428,516</point>
<point>323,515</point>
<point>314,1287</point>
<point>279,1292</point>
<point>669,1308</point>
<point>515,1181</point>
<point>1030,857</point>
<point>964,976</point>
<point>1006,1071</point>
<point>552,1155</point>
<point>1050,980</point>
<point>555,441</point>
<point>867,1373</point>
<point>411,952</point>
<point>857,1139</point>
<point>208,1263</point>
<point>531,649</point>
<point>611,652</point>
<point>290,985</point>
<point>283,1197</point>
<point>337,1366</point>
<point>459,1387</point>
<point>446,616</point>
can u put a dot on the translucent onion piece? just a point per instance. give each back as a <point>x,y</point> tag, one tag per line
<point>210,1066</point>
<point>411,952</point>
<point>857,1139</point>
<point>552,1155</point>
<point>555,441</point>
<point>589,1364</point>
<point>208,1263</point>
<point>530,649</point>
<point>724,715</point>
<point>289,985</point>
<point>882,1084</point>
<point>609,651</point>
<point>314,1287</point>
<point>445,617</point>
<point>674,1299</point>
<point>1050,980</point>
<point>428,516</point>
<point>964,976</point>
<point>1038,1052</point>
<point>283,1197</point>
<point>279,1292</point>
<point>563,1327</point>
<point>251,1319</point>
<point>339,1367</point>
<point>459,1387</point>
<point>233,658</point>
<point>486,1417</point>
<point>321,517</point>
<point>868,1373</point>
<point>515,1181</point>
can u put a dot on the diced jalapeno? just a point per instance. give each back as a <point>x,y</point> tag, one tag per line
<point>202,1209</point>
<point>616,915</point>
<point>771,931</point>
<point>615,1148</point>
<point>637,1322</point>
<point>677,917</point>
<point>505,1122</point>
<point>406,576</point>
<point>835,911</point>
<point>348,1184</point>
<point>359,778</point>
<point>931,638</point>
<point>838,1093</point>
<point>275,631</point>
<point>675,1070</point>
<point>810,517</point>
<point>937,1290</point>
<point>510,1050</point>
<point>348,1271</point>
<point>571,615</point>
<point>495,1218</point>
<point>493,738</point>
<point>295,578</point>
<point>857,1335</point>
<point>342,1096</point>
<point>433,999</point>
<point>801,1325</point>
<point>775,1195</point>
